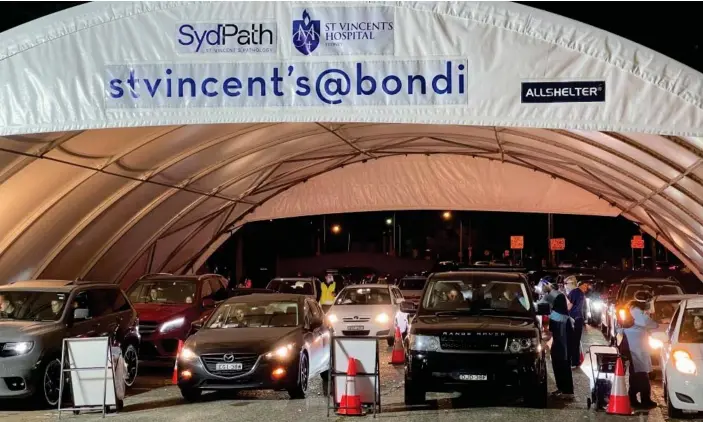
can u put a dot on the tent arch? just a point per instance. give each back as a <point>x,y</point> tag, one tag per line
<point>95,192</point>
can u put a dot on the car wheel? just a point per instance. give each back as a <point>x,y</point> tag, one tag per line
<point>299,390</point>
<point>537,397</point>
<point>51,381</point>
<point>414,394</point>
<point>191,394</point>
<point>131,359</point>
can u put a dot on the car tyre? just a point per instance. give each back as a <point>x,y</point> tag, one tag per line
<point>47,391</point>
<point>191,395</point>
<point>131,358</point>
<point>298,391</point>
<point>537,397</point>
<point>414,394</point>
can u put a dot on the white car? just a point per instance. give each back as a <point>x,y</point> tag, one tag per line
<point>682,358</point>
<point>663,307</point>
<point>411,287</point>
<point>368,310</point>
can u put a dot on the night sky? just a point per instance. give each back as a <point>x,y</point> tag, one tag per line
<point>671,28</point>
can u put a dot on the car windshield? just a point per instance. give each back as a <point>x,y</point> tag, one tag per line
<point>167,292</point>
<point>295,286</point>
<point>261,314</point>
<point>664,310</point>
<point>32,305</point>
<point>656,289</point>
<point>692,326</point>
<point>364,296</point>
<point>477,295</point>
<point>412,283</point>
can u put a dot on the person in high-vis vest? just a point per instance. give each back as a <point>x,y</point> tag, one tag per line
<point>328,292</point>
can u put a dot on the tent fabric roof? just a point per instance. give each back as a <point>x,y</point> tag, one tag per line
<point>110,193</point>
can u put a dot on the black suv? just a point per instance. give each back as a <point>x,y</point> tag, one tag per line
<point>35,317</point>
<point>475,329</point>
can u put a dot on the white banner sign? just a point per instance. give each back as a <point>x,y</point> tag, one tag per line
<point>224,85</point>
<point>331,31</point>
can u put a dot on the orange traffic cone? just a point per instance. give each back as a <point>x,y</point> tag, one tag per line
<point>350,404</point>
<point>619,403</point>
<point>174,379</point>
<point>398,355</point>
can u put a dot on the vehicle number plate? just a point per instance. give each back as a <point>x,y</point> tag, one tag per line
<point>473,377</point>
<point>228,367</point>
<point>355,328</point>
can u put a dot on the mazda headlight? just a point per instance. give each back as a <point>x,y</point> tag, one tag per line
<point>420,343</point>
<point>18,348</point>
<point>522,345</point>
<point>382,318</point>
<point>172,324</point>
<point>283,352</point>
<point>187,355</point>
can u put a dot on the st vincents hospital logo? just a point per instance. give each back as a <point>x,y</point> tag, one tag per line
<point>306,34</point>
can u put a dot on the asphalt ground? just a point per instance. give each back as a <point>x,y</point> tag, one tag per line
<point>153,399</point>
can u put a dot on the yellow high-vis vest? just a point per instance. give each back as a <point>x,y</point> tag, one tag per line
<point>327,297</point>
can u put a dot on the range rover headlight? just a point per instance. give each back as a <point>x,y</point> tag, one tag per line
<point>420,343</point>
<point>523,344</point>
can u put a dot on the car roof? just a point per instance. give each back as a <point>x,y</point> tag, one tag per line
<point>64,286</point>
<point>273,297</point>
<point>303,278</point>
<point>674,297</point>
<point>368,286</point>
<point>414,277</point>
<point>650,280</point>
<point>696,302</point>
<point>449,275</point>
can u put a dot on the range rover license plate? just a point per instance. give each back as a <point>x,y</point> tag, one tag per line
<point>355,328</point>
<point>473,377</point>
<point>228,367</point>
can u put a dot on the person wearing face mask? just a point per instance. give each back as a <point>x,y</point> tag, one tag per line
<point>637,338</point>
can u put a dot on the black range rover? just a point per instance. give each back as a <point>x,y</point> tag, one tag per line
<point>475,330</point>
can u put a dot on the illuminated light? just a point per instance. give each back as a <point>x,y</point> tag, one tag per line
<point>186,374</point>
<point>382,318</point>
<point>281,353</point>
<point>655,343</point>
<point>622,314</point>
<point>187,354</point>
<point>332,318</point>
<point>683,362</point>
<point>278,372</point>
<point>389,221</point>
<point>446,215</point>
<point>336,228</point>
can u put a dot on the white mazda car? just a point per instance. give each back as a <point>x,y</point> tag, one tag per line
<point>368,310</point>
<point>682,358</point>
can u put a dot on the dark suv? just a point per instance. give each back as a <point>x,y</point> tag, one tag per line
<point>167,306</point>
<point>475,330</point>
<point>35,316</point>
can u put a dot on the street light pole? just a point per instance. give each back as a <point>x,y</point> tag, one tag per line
<point>348,241</point>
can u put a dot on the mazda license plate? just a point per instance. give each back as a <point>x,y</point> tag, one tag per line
<point>473,377</point>
<point>228,367</point>
<point>355,328</point>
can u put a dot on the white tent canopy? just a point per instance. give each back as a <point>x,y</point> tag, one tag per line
<point>125,149</point>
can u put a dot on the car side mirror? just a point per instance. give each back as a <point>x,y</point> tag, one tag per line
<point>543,308</point>
<point>315,323</point>
<point>208,303</point>
<point>408,308</point>
<point>196,326</point>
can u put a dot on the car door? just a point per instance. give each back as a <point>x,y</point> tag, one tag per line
<point>100,301</point>
<point>324,338</point>
<point>671,333</point>
<point>82,323</point>
<point>316,340</point>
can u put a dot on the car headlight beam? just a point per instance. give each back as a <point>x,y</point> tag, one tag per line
<point>382,318</point>
<point>283,352</point>
<point>332,318</point>
<point>172,324</point>
<point>187,355</point>
<point>18,348</point>
<point>655,343</point>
